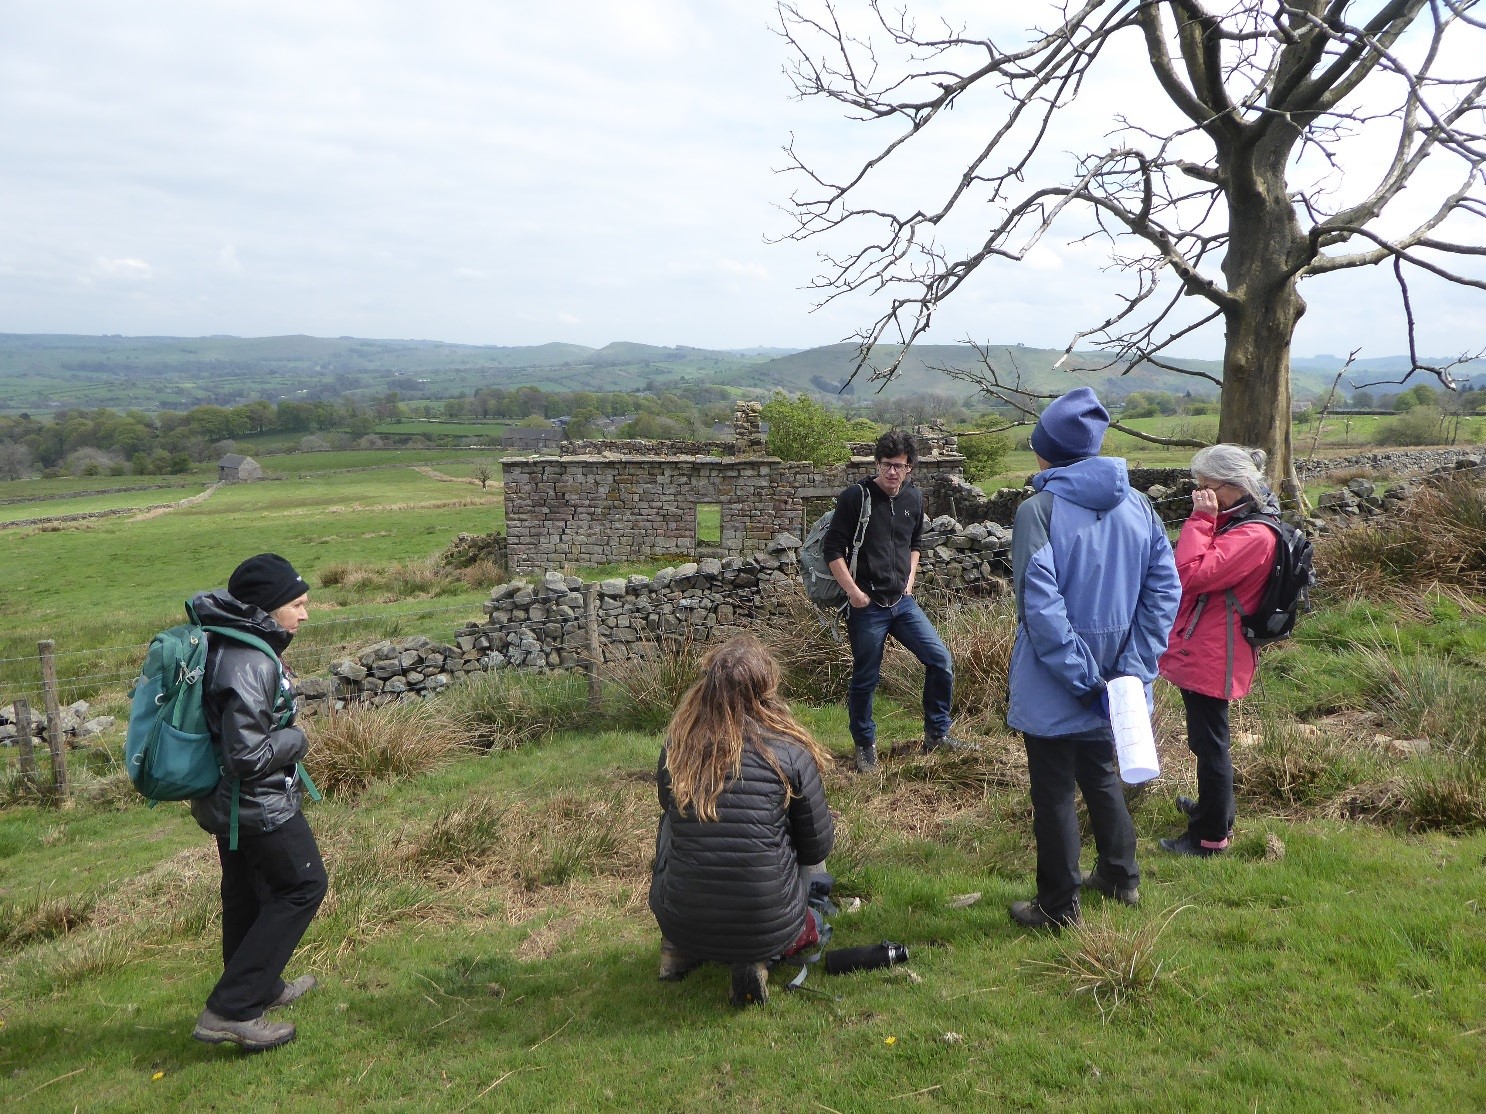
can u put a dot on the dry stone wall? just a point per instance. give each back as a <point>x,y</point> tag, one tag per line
<point>542,624</point>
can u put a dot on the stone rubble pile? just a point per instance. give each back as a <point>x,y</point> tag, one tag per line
<point>77,723</point>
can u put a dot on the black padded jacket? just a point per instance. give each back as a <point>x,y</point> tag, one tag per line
<point>731,890</point>
<point>239,701</point>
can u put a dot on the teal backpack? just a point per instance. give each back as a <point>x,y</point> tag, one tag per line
<point>168,750</point>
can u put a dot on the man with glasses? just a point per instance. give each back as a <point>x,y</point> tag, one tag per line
<point>880,597</point>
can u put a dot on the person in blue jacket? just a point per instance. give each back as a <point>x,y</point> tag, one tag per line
<point>1096,594</point>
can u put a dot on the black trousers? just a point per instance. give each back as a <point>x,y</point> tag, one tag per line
<point>1055,765</point>
<point>1207,738</point>
<point>272,886</point>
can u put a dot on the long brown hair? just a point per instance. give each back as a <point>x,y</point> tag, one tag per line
<point>735,704</point>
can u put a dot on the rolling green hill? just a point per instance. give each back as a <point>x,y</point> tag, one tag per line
<point>43,372</point>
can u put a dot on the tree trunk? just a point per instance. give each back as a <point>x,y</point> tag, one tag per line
<point>1266,247</point>
<point>1256,383</point>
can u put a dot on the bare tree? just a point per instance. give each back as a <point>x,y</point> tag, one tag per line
<point>15,461</point>
<point>1254,185</point>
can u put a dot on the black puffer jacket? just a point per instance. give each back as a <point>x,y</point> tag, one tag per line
<point>730,889</point>
<point>239,700</point>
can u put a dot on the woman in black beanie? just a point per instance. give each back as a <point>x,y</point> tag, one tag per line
<point>273,879</point>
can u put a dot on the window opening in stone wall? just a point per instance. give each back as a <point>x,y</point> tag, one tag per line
<point>709,525</point>
<point>814,508</point>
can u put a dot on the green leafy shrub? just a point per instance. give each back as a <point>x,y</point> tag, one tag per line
<point>802,429</point>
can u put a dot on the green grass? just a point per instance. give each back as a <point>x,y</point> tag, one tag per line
<point>17,512</point>
<point>1350,967</point>
<point>113,582</point>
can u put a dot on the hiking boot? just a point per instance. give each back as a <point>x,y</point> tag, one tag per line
<point>867,759</point>
<point>1187,844</point>
<point>1030,914</point>
<point>1125,895</point>
<point>750,984</point>
<point>254,1036</point>
<point>675,964</point>
<point>1188,808</point>
<point>946,743</point>
<point>293,991</point>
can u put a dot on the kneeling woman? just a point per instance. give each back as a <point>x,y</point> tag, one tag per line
<point>744,820</point>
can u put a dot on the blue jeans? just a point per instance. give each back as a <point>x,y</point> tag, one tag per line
<point>868,628</point>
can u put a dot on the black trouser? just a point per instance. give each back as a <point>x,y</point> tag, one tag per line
<point>1055,764</point>
<point>1207,738</point>
<point>271,887</point>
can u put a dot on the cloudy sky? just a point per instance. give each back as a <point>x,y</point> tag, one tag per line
<point>479,171</point>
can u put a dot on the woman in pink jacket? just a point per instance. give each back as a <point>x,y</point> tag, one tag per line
<point>1223,557</point>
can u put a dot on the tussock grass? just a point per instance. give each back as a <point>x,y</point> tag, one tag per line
<point>1438,539</point>
<point>526,846</point>
<point>979,636</point>
<point>353,747</point>
<point>1112,963</point>
<point>42,917</point>
<point>813,654</point>
<point>425,578</point>
<point>506,709</point>
<point>649,689</point>
<point>1446,794</point>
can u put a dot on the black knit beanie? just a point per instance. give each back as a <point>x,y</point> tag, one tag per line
<point>267,581</point>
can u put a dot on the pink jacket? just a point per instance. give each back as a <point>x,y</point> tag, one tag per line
<point>1223,577</point>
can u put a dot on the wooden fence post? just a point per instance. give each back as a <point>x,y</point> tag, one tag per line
<point>47,649</point>
<point>26,745</point>
<point>591,614</point>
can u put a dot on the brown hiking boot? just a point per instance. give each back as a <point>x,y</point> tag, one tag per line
<point>1125,895</point>
<point>293,991</point>
<point>1030,914</point>
<point>256,1035</point>
<point>675,964</point>
<point>750,984</point>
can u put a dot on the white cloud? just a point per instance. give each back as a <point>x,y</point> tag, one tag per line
<point>130,270</point>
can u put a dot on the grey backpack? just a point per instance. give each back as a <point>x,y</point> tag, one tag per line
<point>820,585</point>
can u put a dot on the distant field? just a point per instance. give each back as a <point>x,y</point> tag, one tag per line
<point>112,582</point>
<point>444,429</point>
<point>14,512</point>
<point>309,463</point>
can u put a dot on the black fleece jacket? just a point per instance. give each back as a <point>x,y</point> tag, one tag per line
<point>893,534</point>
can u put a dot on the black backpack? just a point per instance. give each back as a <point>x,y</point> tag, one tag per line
<point>1287,592</point>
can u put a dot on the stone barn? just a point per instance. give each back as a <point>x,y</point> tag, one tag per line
<point>235,468</point>
<point>656,500</point>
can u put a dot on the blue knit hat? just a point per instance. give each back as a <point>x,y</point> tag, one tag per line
<point>1071,428</point>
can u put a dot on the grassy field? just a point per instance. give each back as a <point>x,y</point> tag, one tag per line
<point>126,577</point>
<point>486,942</point>
<point>450,978</point>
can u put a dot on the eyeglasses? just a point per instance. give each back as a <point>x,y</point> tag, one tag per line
<point>884,466</point>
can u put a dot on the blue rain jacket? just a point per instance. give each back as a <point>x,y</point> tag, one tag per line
<point>1096,595</point>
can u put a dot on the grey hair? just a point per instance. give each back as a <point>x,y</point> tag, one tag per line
<point>1233,464</point>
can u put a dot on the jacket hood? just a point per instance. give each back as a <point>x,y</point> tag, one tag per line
<point>1269,505</point>
<point>219,608</point>
<point>1099,483</point>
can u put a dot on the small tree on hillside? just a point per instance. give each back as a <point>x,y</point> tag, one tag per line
<point>802,429</point>
<point>1256,175</point>
<point>483,473</point>
<point>15,461</point>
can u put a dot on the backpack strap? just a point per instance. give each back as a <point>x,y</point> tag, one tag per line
<point>864,516</point>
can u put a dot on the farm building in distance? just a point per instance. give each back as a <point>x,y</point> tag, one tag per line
<point>235,468</point>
